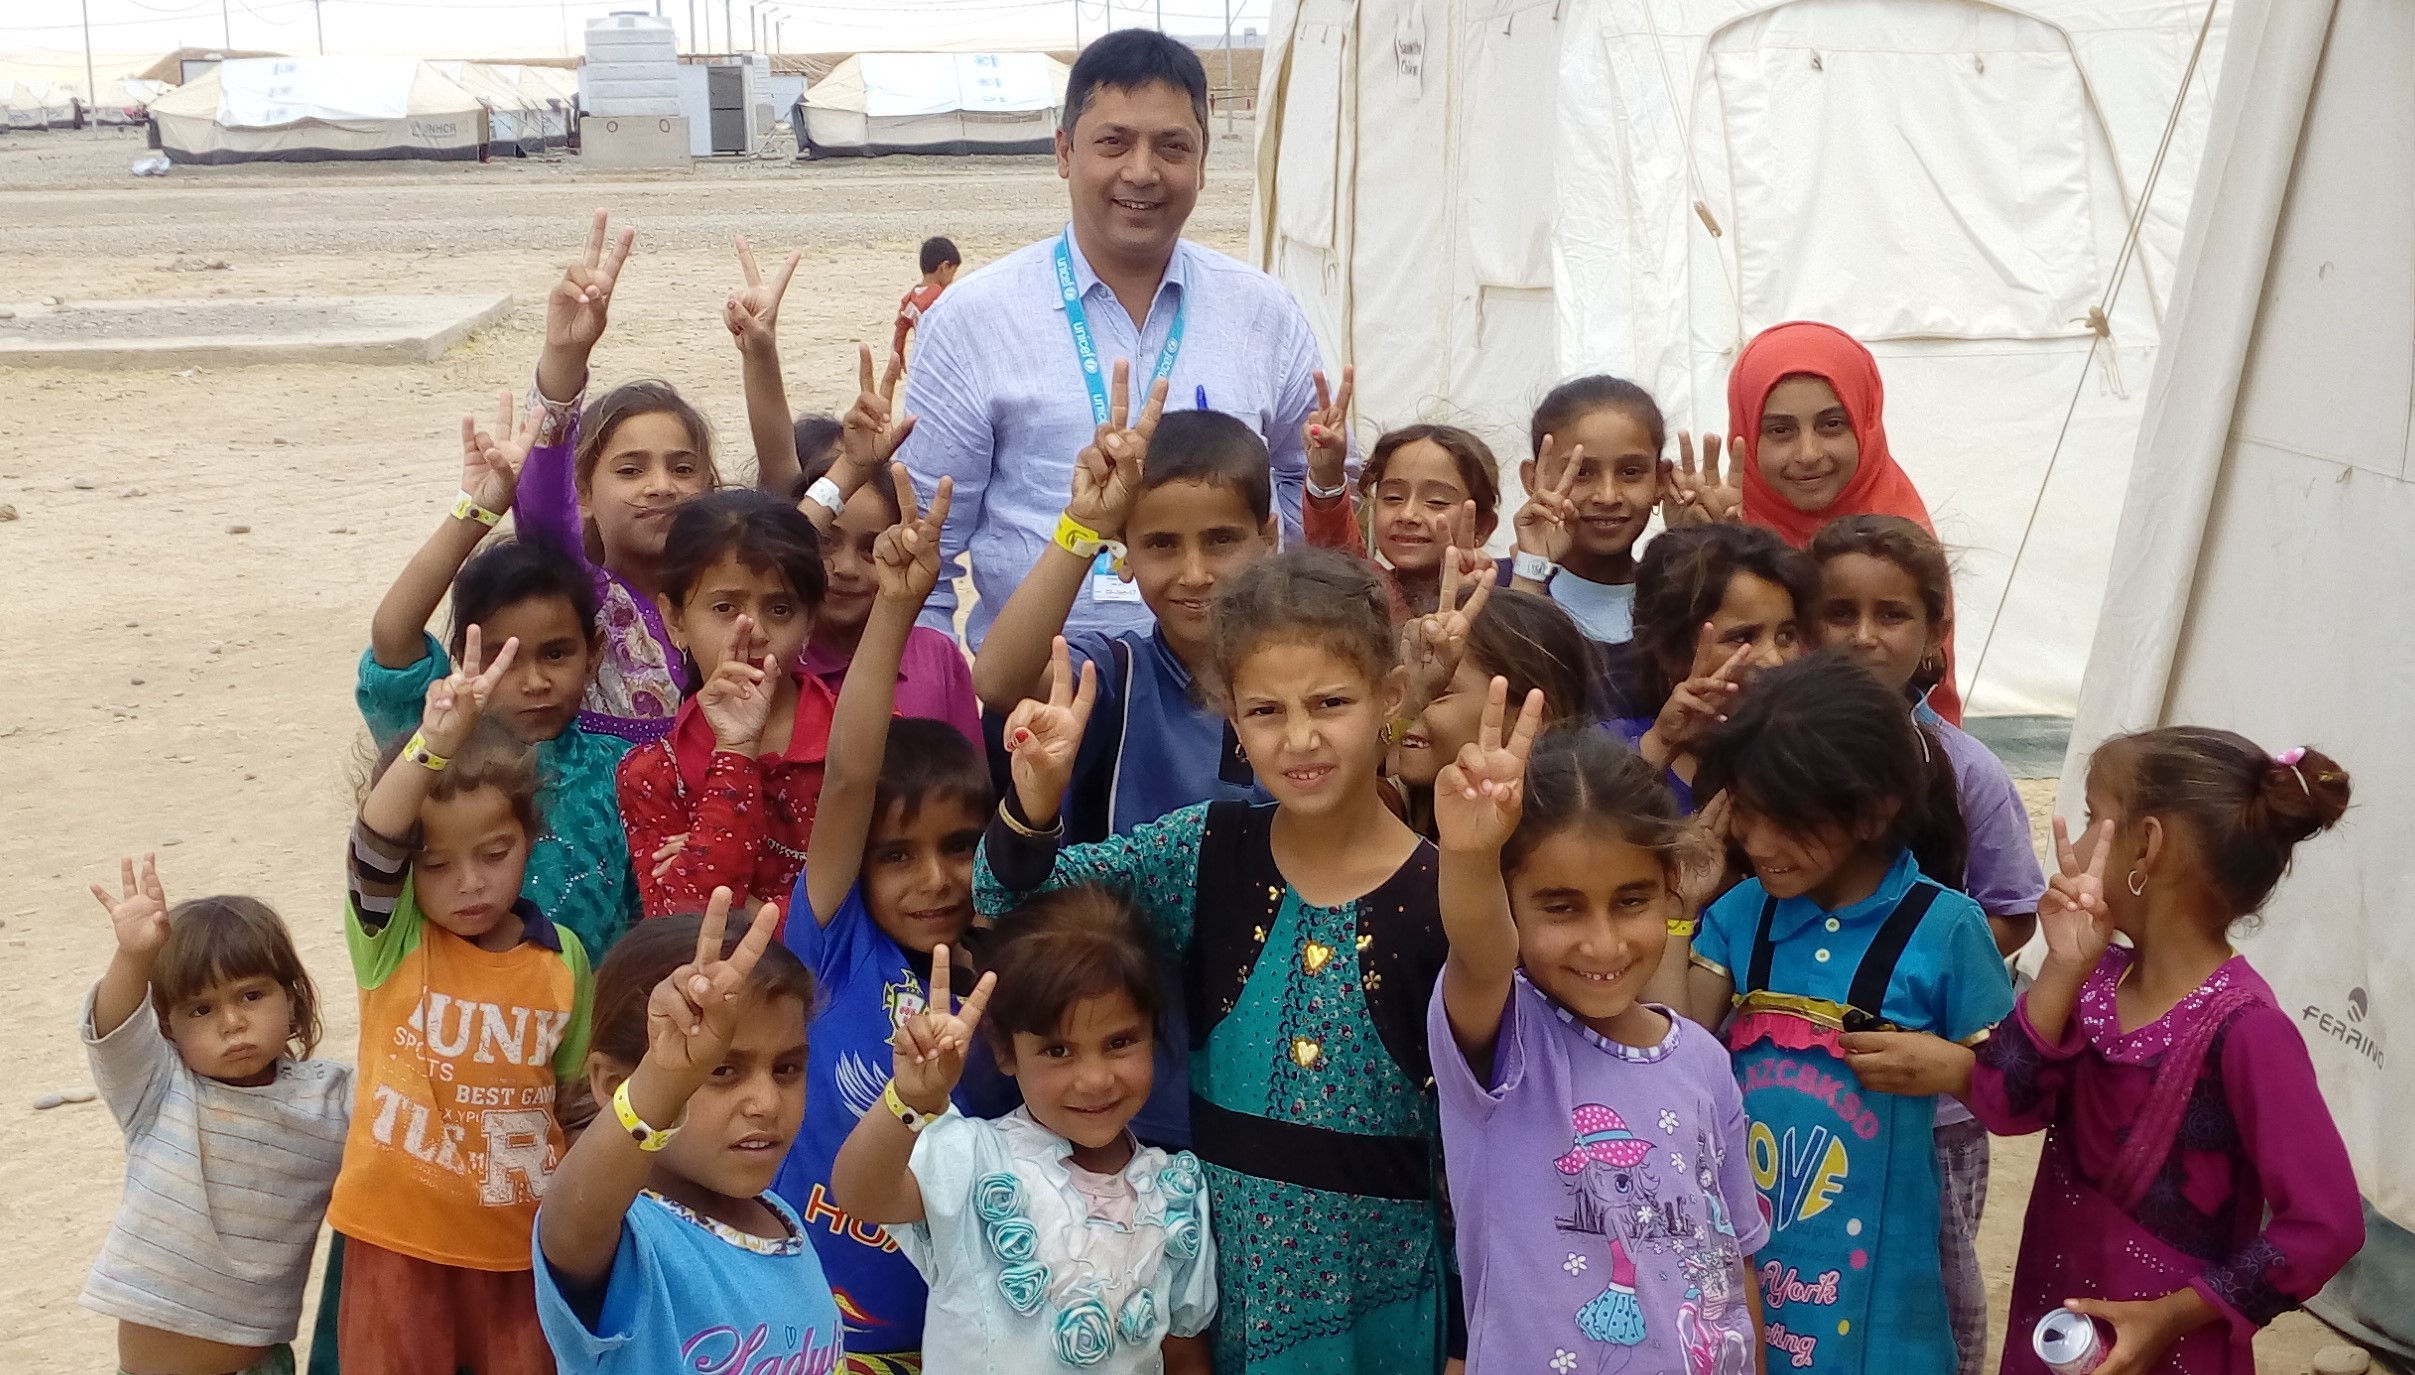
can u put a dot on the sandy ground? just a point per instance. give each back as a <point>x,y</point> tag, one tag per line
<point>173,685</point>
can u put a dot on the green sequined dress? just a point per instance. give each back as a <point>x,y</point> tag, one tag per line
<point>1312,1102</point>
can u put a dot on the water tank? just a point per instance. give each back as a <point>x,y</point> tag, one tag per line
<point>632,67</point>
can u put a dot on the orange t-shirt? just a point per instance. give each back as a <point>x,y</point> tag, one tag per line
<point>910,309</point>
<point>453,1132</point>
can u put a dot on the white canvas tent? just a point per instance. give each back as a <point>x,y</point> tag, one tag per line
<point>1476,198</point>
<point>2262,572</point>
<point>527,110</point>
<point>31,105</point>
<point>944,103</point>
<point>319,109</point>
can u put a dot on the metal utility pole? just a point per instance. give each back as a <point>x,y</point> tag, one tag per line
<point>318,19</point>
<point>1077,25</point>
<point>1229,93</point>
<point>227,23</point>
<point>92,94</point>
<point>729,28</point>
<point>1161,16</point>
<point>692,25</point>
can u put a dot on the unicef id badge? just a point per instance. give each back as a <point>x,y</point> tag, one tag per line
<point>1105,586</point>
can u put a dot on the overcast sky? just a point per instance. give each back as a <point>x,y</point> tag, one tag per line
<point>530,28</point>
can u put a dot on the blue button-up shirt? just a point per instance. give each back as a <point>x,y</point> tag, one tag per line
<point>1003,409</point>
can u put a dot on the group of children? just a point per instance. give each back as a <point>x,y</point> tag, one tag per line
<point>1587,962</point>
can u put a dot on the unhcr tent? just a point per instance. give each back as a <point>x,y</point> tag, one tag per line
<point>526,111</point>
<point>1477,198</point>
<point>319,109</point>
<point>2263,562</point>
<point>30,105</point>
<point>946,103</point>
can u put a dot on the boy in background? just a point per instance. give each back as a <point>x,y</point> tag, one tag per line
<point>939,263</point>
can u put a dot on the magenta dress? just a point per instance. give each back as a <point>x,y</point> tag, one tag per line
<point>2165,1148</point>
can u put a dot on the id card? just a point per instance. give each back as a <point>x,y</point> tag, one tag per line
<point>1105,586</point>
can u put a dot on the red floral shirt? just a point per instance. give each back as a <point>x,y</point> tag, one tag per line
<point>746,820</point>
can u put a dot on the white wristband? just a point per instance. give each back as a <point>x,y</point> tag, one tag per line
<point>827,494</point>
<point>1341,488</point>
<point>1532,567</point>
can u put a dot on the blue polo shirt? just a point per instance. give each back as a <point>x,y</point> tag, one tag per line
<point>1950,981</point>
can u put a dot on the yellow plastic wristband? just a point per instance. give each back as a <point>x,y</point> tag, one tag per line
<point>914,1118</point>
<point>466,507</point>
<point>416,750</point>
<point>1684,926</point>
<point>647,1137</point>
<point>1081,541</point>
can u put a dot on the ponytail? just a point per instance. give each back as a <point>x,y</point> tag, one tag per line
<point>2247,809</point>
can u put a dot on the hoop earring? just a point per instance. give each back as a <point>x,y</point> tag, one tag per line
<point>2138,883</point>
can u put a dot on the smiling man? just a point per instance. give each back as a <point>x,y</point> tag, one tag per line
<point>1016,360</point>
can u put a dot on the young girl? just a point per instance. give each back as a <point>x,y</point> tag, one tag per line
<point>2193,1185</point>
<point>1715,605</point>
<point>1577,1120</point>
<point>888,876</point>
<point>1425,489</point>
<point>1519,636</point>
<point>1051,1237</point>
<point>1309,938</point>
<point>473,1012</point>
<point>1886,601</point>
<point>726,799</point>
<point>1591,486</point>
<point>622,466</point>
<point>1831,794</point>
<point>200,1033</point>
<point>1810,446</point>
<point>538,593</point>
<point>661,1246</point>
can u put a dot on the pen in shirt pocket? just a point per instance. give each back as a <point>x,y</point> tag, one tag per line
<point>1201,393</point>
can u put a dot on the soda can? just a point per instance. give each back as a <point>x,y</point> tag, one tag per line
<point>2068,1343</point>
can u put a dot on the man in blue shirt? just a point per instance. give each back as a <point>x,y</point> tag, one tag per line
<point>1015,363</point>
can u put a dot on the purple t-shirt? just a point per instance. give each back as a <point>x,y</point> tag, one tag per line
<point>2002,875</point>
<point>933,681</point>
<point>1604,1195</point>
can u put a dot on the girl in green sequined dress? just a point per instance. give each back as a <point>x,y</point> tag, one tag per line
<point>1309,940</point>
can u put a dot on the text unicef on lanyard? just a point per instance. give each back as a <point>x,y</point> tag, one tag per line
<point>1085,347</point>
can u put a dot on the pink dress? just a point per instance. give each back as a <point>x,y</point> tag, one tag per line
<point>2165,1148</point>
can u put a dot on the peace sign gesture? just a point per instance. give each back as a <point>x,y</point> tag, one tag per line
<point>2073,913</point>
<point>736,700</point>
<point>1327,433</point>
<point>905,557</point>
<point>1432,645</point>
<point>575,310</point>
<point>490,460</point>
<point>931,1044</point>
<point>139,915</point>
<point>456,700</point>
<point>753,310</point>
<point>1106,475</point>
<point>871,430</point>
<point>693,1013</point>
<point>1479,796</point>
<point>1546,524</point>
<point>1042,737</point>
<point>1698,496</point>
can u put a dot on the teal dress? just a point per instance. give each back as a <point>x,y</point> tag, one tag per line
<point>578,871</point>
<point>1312,1099</point>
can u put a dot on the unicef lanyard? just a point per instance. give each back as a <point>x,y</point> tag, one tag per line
<point>1086,348</point>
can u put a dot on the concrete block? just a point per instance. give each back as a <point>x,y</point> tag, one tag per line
<point>236,332</point>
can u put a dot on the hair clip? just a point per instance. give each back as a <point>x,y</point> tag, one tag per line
<point>2288,759</point>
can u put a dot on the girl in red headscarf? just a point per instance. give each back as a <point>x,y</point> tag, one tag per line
<point>1807,409</point>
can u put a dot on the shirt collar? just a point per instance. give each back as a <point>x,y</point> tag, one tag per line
<point>826,662</point>
<point>1795,914</point>
<point>535,928</point>
<point>1169,664</point>
<point>1176,278</point>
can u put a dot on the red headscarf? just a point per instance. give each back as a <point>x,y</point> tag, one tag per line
<point>1806,348</point>
<point>1803,348</point>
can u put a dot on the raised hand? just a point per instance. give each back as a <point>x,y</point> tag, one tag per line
<point>456,701</point>
<point>693,1013</point>
<point>872,430</point>
<point>1700,495</point>
<point>736,700</point>
<point>1432,645</point>
<point>753,310</point>
<point>139,914</point>
<point>1479,796</point>
<point>491,459</point>
<point>1106,476</point>
<point>930,1045</point>
<point>1042,737</point>
<point>1327,433</point>
<point>1699,703</point>
<point>1546,524</point>
<point>2073,914</point>
<point>576,309</point>
<point>905,558</point>
<point>1702,865</point>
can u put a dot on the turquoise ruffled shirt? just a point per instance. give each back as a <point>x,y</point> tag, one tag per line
<point>578,872</point>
